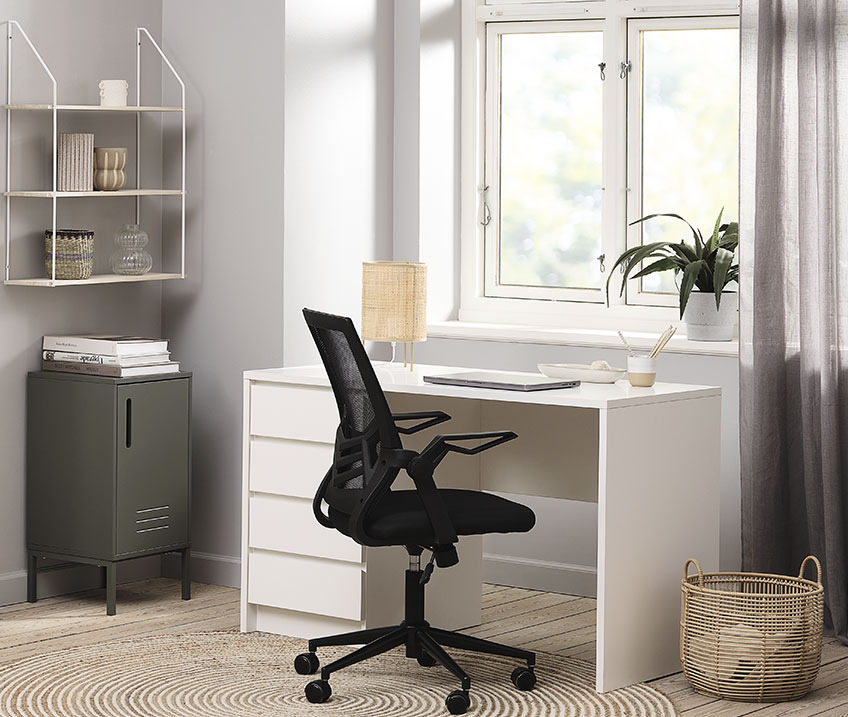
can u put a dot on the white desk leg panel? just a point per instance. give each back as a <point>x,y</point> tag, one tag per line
<point>658,504</point>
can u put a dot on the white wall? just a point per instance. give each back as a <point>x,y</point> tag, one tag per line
<point>70,36</point>
<point>228,315</point>
<point>338,168</point>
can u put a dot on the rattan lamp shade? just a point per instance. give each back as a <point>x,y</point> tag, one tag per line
<point>394,301</point>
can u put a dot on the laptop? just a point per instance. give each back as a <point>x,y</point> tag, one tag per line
<point>501,380</point>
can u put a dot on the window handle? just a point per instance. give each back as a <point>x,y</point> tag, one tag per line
<point>487,213</point>
<point>601,260</point>
<point>603,66</point>
<point>626,66</point>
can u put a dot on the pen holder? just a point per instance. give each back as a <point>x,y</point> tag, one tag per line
<point>641,370</point>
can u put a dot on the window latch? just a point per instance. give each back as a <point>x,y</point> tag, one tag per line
<point>603,66</point>
<point>626,66</point>
<point>487,214</point>
<point>601,259</point>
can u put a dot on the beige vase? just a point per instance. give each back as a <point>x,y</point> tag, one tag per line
<point>109,166</point>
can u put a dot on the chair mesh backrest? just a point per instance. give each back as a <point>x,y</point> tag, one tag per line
<point>363,411</point>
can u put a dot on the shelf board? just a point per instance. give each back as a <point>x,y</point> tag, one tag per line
<point>117,193</point>
<point>94,279</point>
<point>95,108</point>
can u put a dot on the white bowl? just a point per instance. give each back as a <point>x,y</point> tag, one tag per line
<point>582,372</point>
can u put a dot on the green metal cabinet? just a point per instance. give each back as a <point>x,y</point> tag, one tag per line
<point>108,471</point>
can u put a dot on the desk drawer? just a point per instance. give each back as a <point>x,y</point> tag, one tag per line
<point>286,467</point>
<point>314,585</point>
<point>289,526</point>
<point>307,413</point>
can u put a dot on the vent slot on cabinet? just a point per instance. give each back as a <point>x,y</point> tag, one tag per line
<point>147,522</point>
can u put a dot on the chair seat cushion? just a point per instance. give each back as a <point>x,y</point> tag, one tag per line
<point>399,518</point>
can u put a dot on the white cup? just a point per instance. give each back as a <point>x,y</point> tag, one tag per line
<point>113,93</point>
<point>641,370</point>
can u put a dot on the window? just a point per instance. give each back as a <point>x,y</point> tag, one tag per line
<point>580,127</point>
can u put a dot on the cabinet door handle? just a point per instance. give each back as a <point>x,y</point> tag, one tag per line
<point>129,423</point>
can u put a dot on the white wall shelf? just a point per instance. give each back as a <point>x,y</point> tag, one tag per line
<point>54,108</point>
<point>94,108</point>
<point>46,194</point>
<point>93,279</point>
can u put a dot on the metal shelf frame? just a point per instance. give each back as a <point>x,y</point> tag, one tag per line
<point>14,27</point>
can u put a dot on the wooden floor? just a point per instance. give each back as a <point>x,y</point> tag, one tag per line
<point>546,622</point>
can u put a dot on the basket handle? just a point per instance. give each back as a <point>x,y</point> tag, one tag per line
<point>694,562</point>
<point>818,568</point>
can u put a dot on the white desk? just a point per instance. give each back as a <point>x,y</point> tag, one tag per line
<point>649,457</point>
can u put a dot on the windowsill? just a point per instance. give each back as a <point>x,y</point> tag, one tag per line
<point>593,338</point>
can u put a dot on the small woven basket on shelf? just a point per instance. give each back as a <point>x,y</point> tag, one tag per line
<point>751,637</point>
<point>74,253</point>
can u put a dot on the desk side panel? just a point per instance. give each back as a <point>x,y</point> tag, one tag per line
<point>658,505</point>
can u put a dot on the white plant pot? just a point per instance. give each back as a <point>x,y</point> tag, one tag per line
<point>704,322</point>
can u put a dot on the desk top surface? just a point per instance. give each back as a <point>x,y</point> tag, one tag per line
<point>394,378</point>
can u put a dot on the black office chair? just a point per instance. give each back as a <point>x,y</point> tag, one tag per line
<point>368,457</point>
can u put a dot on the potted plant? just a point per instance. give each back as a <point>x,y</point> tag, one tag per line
<point>705,268</point>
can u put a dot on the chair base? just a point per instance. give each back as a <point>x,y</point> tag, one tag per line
<point>422,642</point>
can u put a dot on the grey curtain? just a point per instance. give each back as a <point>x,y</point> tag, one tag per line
<point>794,291</point>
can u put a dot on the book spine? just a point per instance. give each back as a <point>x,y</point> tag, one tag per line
<point>71,344</point>
<point>76,357</point>
<point>91,369</point>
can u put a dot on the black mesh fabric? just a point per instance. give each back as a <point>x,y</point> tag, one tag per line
<point>356,410</point>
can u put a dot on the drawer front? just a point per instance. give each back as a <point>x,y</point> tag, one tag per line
<point>288,525</point>
<point>313,585</point>
<point>307,413</point>
<point>286,467</point>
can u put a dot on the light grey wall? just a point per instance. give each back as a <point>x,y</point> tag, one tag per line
<point>338,119</point>
<point>295,94</point>
<point>82,41</point>
<point>228,315</point>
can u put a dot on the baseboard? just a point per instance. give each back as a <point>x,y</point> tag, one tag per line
<point>206,568</point>
<point>62,578</point>
<point>540,575</point>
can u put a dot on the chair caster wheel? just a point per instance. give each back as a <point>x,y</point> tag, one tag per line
<point>458,702</point>
<point>318,691</point>
<point>425,659</point>
<point>523,678</point>
<point>306,663</point>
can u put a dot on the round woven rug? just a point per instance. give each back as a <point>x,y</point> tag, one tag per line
<point>229,674</point>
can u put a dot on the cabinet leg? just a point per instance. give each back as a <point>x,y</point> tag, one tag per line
<point>111,588</point>
<point>185,567</point>
<point>32,578</point>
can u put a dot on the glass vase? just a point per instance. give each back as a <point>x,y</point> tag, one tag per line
<point>131,258</point>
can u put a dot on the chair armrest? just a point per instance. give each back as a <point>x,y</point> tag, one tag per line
<point>435,418</point>
<point>316,501</point>
<point>441,445</point>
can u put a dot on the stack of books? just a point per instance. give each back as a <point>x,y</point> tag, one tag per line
<point>117,356</point>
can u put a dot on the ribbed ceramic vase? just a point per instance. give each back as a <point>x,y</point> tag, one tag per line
<point>109,166</point>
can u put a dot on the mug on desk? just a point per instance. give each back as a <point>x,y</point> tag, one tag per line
<point>641,370</point>
<point>113,93</point>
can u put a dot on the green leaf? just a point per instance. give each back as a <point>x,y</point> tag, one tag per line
<point>690,274</point>
<point>714,237</point>
<point>684,251</point>
<point>630,258</point>
<point>724,259</point>
<point>662,265</point>
<point>674,216</point>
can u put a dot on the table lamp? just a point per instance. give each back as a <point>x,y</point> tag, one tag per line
<point>394,303</point>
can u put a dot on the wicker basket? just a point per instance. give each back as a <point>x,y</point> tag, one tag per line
<point>74,253</point>
<point>751,637</point>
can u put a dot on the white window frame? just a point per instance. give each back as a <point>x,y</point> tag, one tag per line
<point>635,295</point>
<point>475,305</point>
